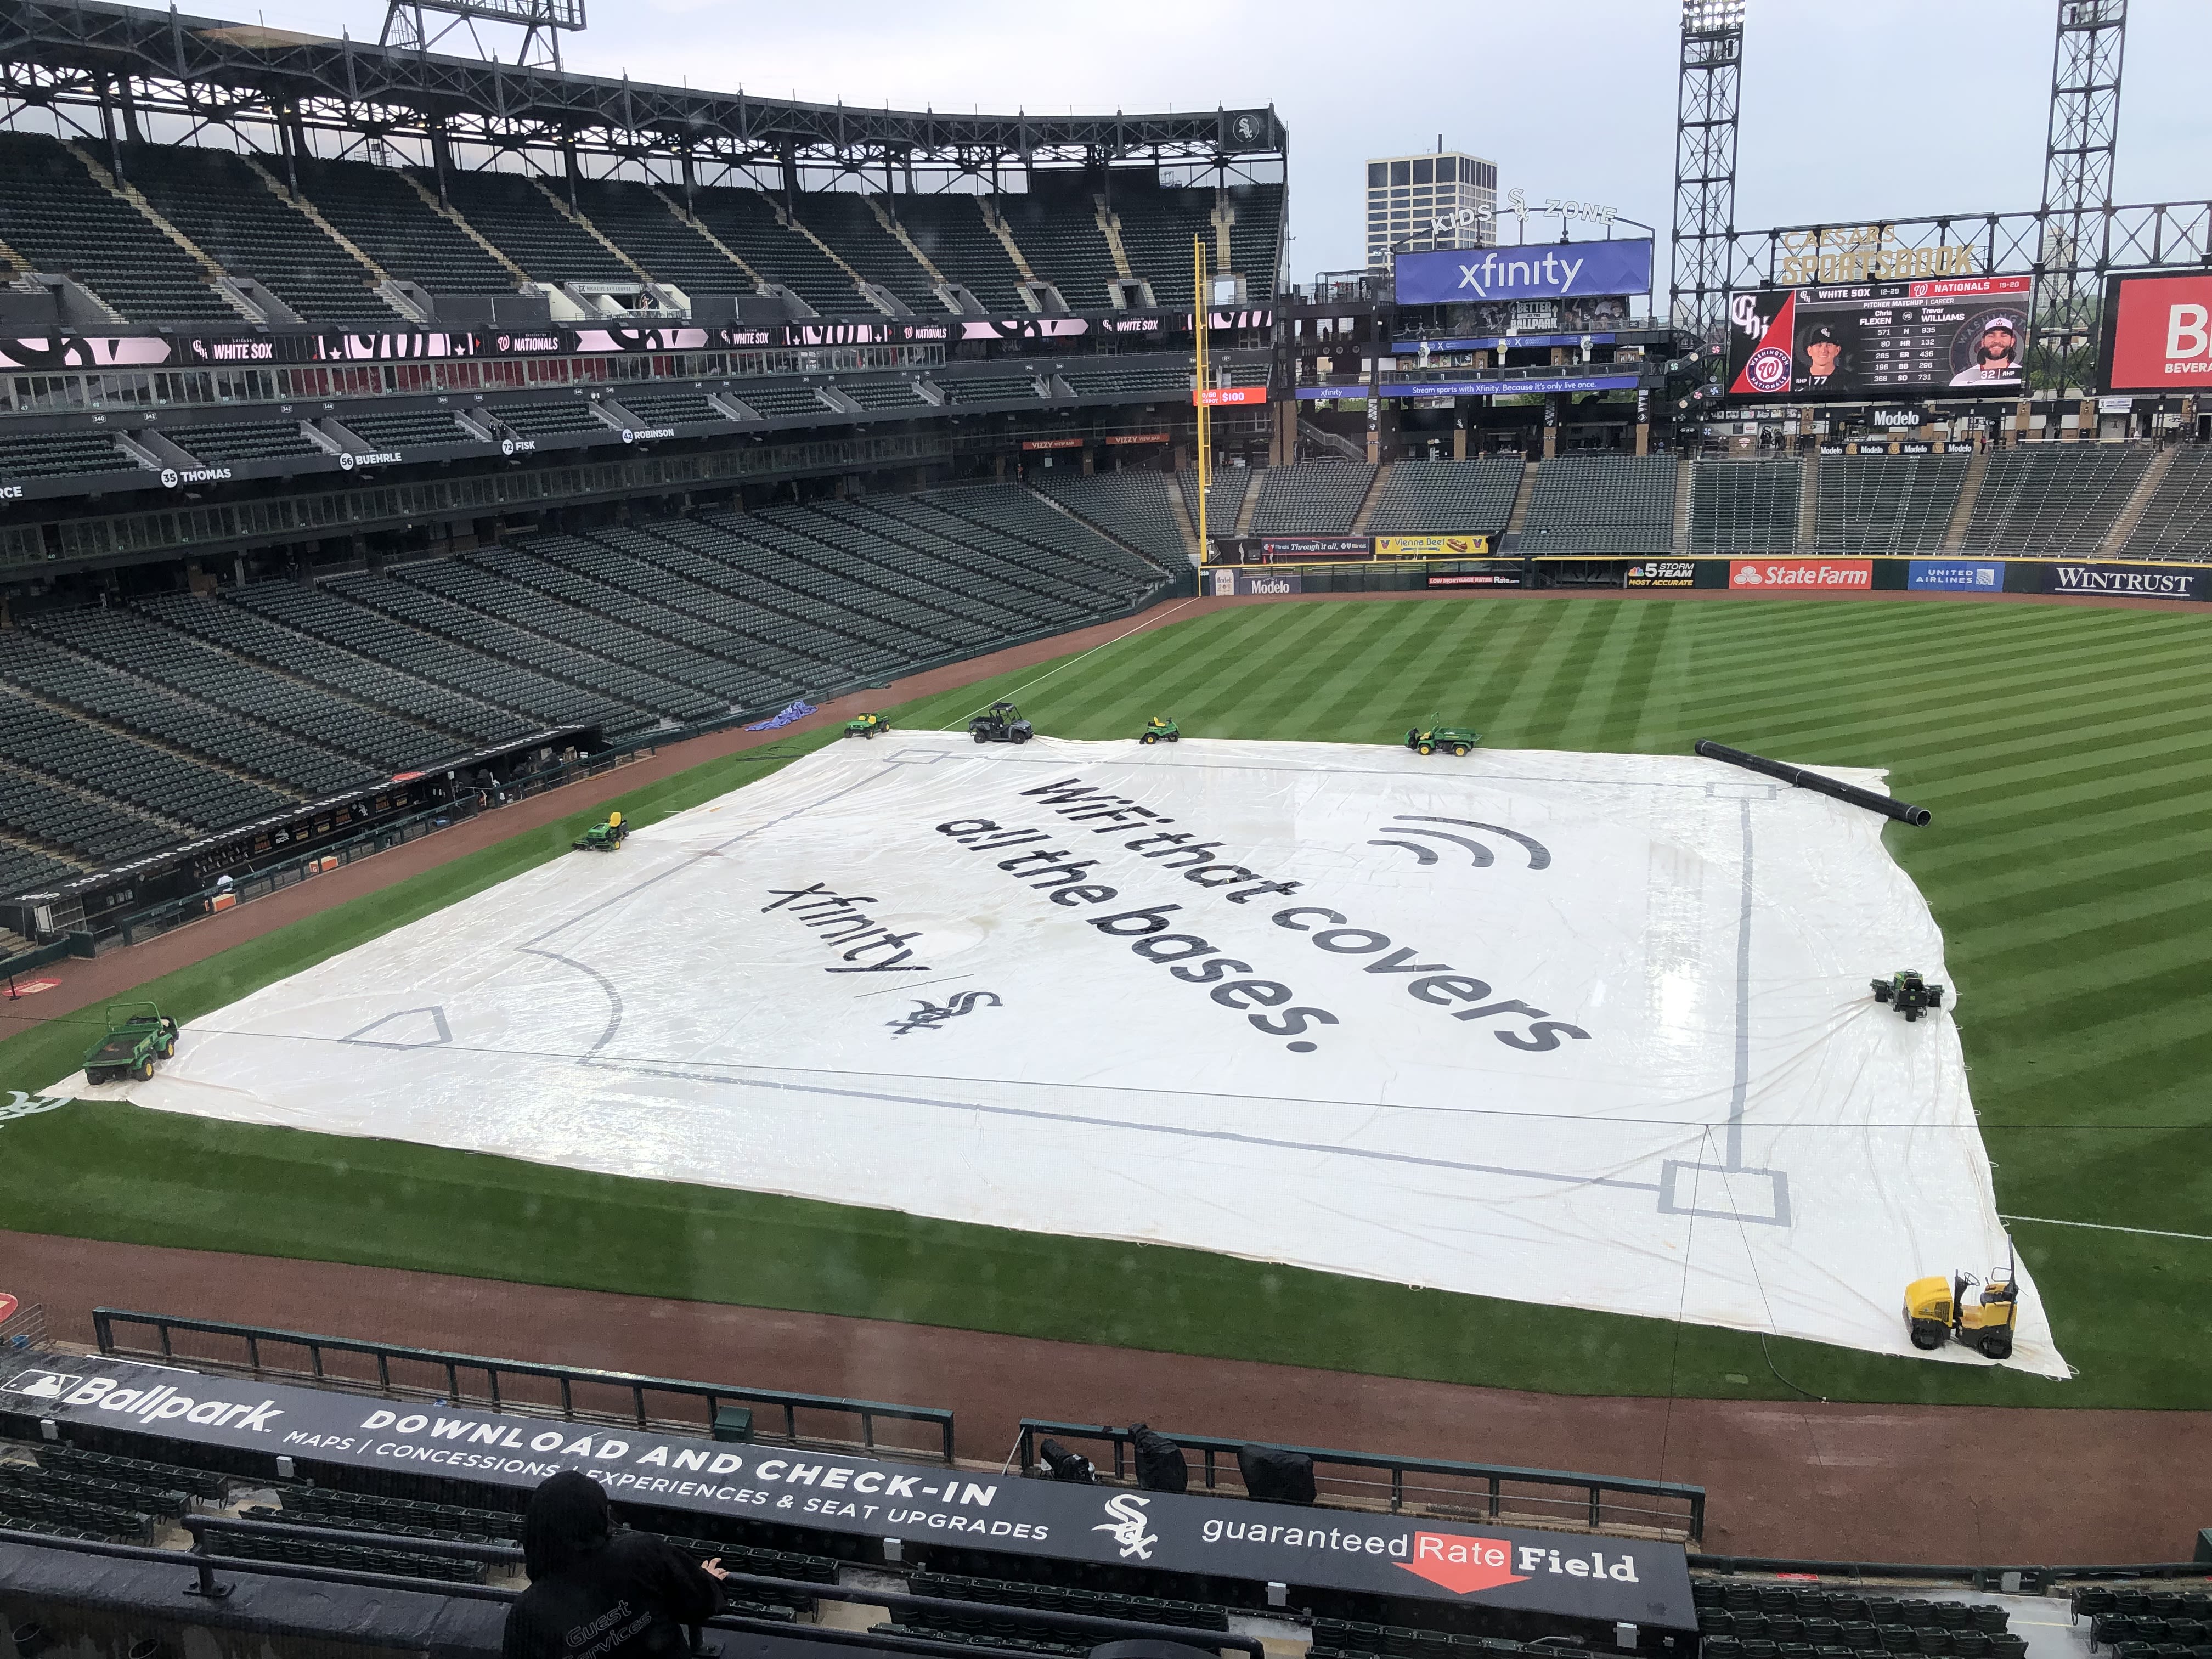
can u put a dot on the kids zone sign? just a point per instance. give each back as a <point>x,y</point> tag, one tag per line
<point>1610,1579</point>
<point>1555,270</point>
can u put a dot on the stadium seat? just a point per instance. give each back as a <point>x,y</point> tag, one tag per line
<point>1601,504</point>
<point>2052,501</point>
<point>1744,507</point>
<point>1469,498</point>
<point>2176,522</point>
<point>1886,503</point>
<point>1314,498</point>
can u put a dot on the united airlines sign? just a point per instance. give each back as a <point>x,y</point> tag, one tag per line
<point>1555,270</point>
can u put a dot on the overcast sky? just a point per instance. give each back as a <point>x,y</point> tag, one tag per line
<point>1873,108</point>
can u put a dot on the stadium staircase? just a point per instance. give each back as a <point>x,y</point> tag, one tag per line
<point>575,217</point>
<point>1970,491</point>
<point>699,228</point>
<point>2124,526</point>
<point>1519,515</point>
<point>1368,502</point>
<point>1179,505</point>
<point>449,212</point>
<point>1685,471</point>
<point>299,203</point>
<point>1809,500</point>
<point>1244,508</point>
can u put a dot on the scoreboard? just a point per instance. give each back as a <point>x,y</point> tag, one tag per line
<point>1957,337</point>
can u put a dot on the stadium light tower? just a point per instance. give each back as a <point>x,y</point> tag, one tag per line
<point>1704,165</point>
<point>541,21</point>
<point>2077,184</point>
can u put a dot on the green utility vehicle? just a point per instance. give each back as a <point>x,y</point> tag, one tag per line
<point>1427,740</point>
<point>1158,730</point>
<point>138,1034</point>
<point>866,726</point>
<point>604,837</point>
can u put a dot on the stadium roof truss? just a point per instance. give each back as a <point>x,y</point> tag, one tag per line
<point>138,62</point>
<point>2160,236</point>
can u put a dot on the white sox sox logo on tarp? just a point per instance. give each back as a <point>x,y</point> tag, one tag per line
<point>1128,1525</point>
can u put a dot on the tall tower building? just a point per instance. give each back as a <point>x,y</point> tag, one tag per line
<point>1407,194</point>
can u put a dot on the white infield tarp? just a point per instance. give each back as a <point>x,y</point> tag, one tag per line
<point>1591,1030</point>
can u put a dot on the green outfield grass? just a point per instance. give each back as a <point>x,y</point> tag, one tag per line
<point>2066,755</point>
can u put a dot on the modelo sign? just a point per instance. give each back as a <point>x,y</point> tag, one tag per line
<point>2157,334</point>
<point>1538,270</point>
<point>1799,575</point>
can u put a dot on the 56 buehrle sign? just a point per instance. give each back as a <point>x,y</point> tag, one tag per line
<point>1632,1580</point>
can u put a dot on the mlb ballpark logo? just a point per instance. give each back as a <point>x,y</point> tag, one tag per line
<point>42,1385</point>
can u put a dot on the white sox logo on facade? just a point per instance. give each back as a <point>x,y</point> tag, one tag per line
<point>1129,1526</point>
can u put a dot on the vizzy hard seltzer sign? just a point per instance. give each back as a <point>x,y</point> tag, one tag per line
<point>1603,1578</point>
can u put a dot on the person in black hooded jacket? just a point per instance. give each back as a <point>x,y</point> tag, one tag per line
<point>598,1594</point>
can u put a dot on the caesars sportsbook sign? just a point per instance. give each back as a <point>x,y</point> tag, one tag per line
<point>1564,1574</point>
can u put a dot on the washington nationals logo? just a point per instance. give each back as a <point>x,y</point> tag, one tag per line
<point>19,1104</point>
<point>1768,369</point>
<point>928,1015</point>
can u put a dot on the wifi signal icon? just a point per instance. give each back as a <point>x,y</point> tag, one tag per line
<point>1481,857</point>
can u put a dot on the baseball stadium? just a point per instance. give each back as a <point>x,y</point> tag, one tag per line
<point>830,832</point>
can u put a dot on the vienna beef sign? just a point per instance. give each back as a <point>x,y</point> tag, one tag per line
<point>1560,1574</point>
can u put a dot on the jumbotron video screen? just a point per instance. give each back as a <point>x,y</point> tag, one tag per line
<point>1954,336</point>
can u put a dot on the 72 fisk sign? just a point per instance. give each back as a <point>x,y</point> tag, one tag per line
<point>1563,1574</point>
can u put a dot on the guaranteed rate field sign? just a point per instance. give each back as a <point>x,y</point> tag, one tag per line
<point>1590,1030</point>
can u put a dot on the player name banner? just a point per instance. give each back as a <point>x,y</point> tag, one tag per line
<point>1958,337</point>
<point>1509,1568</point>
<point>2137,582</point>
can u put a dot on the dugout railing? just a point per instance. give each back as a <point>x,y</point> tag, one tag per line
<point>1446,1490</point>
<point>572,1394</point>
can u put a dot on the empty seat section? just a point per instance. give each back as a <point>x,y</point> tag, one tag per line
<point>1255,238</point>
<point>1886,503</point>
<point>989,388</point>
<point>42,666</point>
<point>102,831</point>
<point>79,751</point>
<point>953,235</point>
<point>476,606</point>
<point>549,419</point>
<point>1167,379</point>
<point>237,220</point>
<point>64,221</point>
<point>1744,507</point>
<point>241,441</point>
<point>1132,507</point>
<point>23,870</point>
<point>775,402</point>
<point>2177,520</point>
<point>847,222</point>
<point>222,680</point>
<point>1447,498</point>
<point>347,617</point>
<point>910,602</point>
<point>1053,541</point>
<point>883,394</point>
<point>1159,225</point>
<point>1224,497</point>
<point>249,633</point>
<point>745,222</point>
<point>1248,374</point>
<point>55,454</point>
<point>999,587</point>
<point>1314,498</point>
<point>636,220</point>
<point>515,216</point>
<point>381,212</point>
<point>2053,501</point>
<point>673,408</point>
<point>406,429</point>
<point>795,562</point>
<point>1601,504</point>
<point>1055,225</point>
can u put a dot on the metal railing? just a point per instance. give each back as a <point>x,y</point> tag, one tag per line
<point>1428,1486</point>
<point>545,1390</point>
<point>24,1329</point>
<point>2021,1580</point>
<point>205,1566</point>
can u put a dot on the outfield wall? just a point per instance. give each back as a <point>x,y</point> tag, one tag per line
<point>1967,576</point>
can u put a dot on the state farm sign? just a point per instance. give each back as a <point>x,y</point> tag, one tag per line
<point>1796,575</point>
<point>2161,337</point>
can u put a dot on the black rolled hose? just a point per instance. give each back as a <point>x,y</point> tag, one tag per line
<point>1797,777</point>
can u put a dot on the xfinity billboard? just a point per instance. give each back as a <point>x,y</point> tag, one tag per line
<point>1555,271</point>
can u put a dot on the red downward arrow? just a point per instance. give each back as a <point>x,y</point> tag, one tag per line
<point>1462,1564</point>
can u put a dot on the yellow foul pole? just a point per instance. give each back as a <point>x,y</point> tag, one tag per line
<point>1200,379</point>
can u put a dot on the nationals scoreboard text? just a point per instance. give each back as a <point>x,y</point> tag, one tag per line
<point>1963,336</point>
